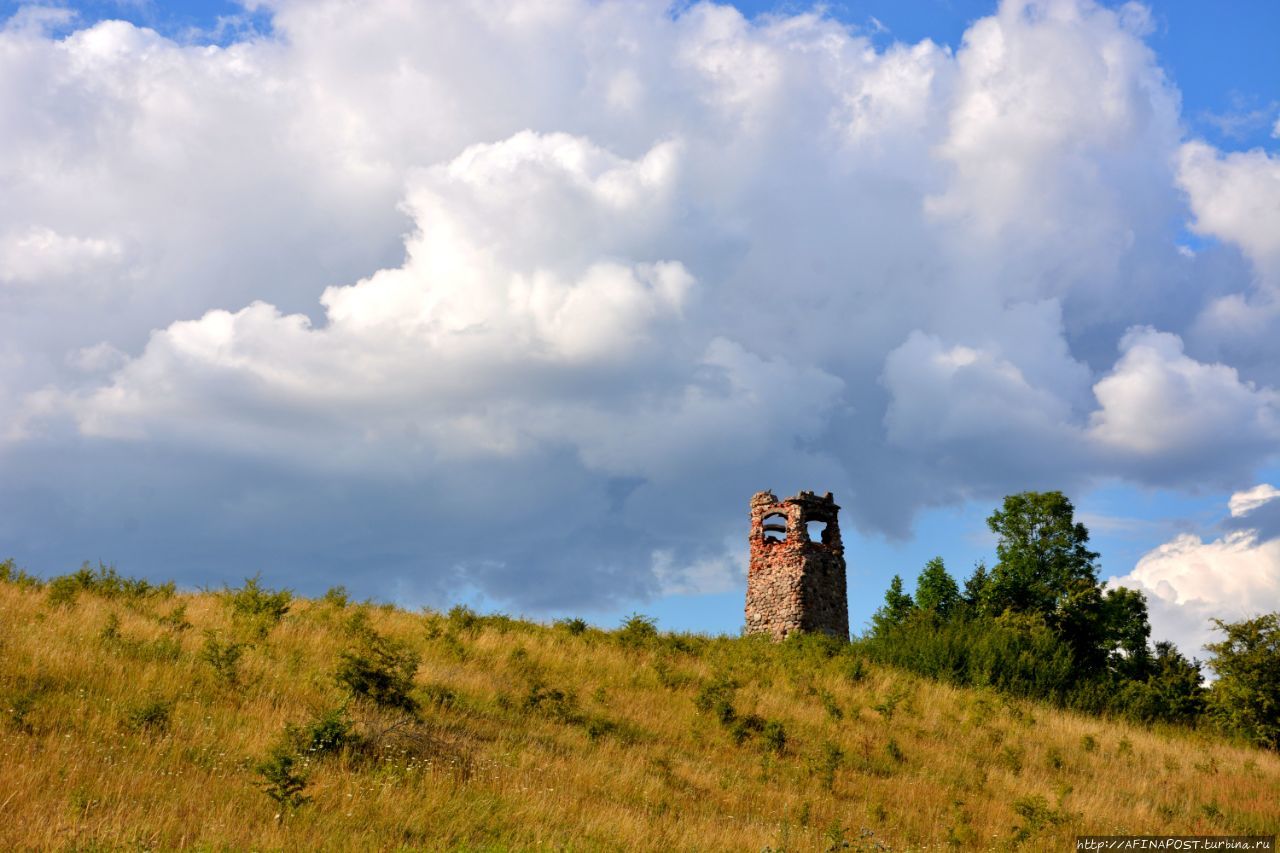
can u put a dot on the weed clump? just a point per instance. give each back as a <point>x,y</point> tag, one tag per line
<point>716,698</point>
<point>670,678</point>
<point>19,706</point>
<point>832,707</point>
<point>889,704</point>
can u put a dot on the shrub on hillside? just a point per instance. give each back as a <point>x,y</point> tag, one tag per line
<point>379,670</point>
<point>1245,700</point>
<point>336,596</point>
<point>150,715</point>
<point>328,733</point>
<point>224,656</point>
<point>637,630</point>
<point>106,582</point>
<point>10,573</point>
<point>255,605</point>
<point>281,779</point>
<point>573,626</point>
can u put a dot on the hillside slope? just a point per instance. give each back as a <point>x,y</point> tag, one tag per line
<point>142,719</point>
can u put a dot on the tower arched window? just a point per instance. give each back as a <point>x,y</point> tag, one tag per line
<point>775,527</point>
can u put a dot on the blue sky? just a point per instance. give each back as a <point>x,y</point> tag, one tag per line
<point>518,304</point>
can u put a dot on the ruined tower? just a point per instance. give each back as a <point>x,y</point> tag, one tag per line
<point>796,581</point>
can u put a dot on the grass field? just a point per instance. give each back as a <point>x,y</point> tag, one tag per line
<point>144,719</point>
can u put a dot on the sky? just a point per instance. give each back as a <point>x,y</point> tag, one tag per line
<point>516,304</point>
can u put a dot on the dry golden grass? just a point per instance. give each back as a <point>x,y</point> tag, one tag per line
<point>88,762</point>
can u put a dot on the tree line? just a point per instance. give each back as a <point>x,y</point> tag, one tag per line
<point>1040,624</point>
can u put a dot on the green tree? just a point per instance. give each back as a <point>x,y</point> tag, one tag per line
<point>1043,553</point>
<point>1245,700</point>
<point>975,588</point>
<point>1127,633</point>
<point>1177,684</point>
<point>1046,568</point>
<point>936,590</point>
<point>897,607</point>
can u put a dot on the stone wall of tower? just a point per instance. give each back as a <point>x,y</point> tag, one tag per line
<point>794,584</point>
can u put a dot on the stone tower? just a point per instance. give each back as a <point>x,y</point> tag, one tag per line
<point>796,578</point>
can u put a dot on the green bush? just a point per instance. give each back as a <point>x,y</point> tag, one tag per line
<point>281,780</point>
<point>62,591</point>
<point>774,736</point>
<point>827,763</point>
<point>559,705</point>
<point>379,670</point>
<point>637,630</point>
<point>10,573</point>
<point>716,698</point>
<point>106,582</point>
<point>176,619</point>
<point>574,626</point>
<point>1245,700</point>
<point>224,656</point>
<point>18,706</point>
<point>855,671</point>
<point>742,728</point>
<point>1036,814</point>
<point>439,696</point>
<point>463,618</point>
<point>256,606</point>
<point>110,632</point>
<point>329,733</point>
<point>152,715</point>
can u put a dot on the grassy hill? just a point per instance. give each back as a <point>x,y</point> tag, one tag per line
<point>139,718</point>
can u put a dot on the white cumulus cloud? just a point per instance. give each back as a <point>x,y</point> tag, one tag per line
<point>1191,580</point>
<point>401,283</point>
<point>1245,502</point>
